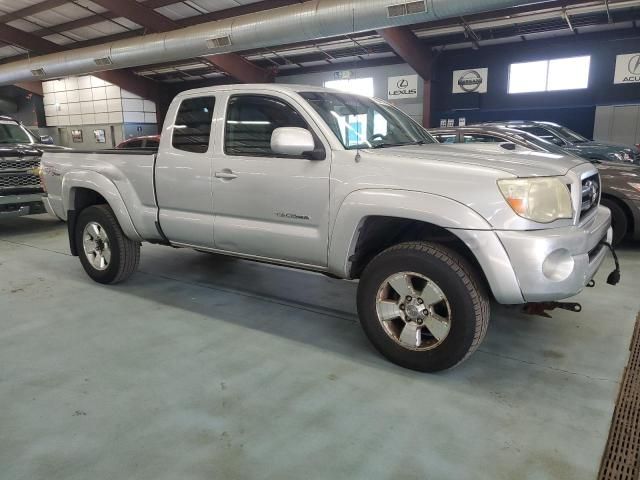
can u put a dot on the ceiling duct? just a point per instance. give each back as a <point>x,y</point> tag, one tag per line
<point>302,22</point>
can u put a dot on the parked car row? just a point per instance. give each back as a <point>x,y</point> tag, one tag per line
<point>618,165</point>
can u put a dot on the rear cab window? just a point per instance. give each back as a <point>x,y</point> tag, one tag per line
<point>192,127</point>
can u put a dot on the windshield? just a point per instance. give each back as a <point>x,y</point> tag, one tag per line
<point>361,122</point>
<point>570,135</point>
<point>12,132</point>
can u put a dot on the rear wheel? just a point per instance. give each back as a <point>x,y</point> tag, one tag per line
<point>106,254</point>
<point>422,307</point>
<point>619,221</point>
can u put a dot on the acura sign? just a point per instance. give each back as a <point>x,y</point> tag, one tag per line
<point>403,87</point>
<point>473,80</point>
<point>627,69</point>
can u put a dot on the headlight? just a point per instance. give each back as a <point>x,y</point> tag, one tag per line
<point>542,200</point>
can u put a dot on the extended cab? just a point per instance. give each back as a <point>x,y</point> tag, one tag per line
<point>351,187</point>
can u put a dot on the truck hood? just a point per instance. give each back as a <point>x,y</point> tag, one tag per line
<point>519,163</point>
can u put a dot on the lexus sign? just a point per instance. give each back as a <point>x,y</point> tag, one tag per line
<point>473,80</point>
<point>627,69</point>
<point>405,86</point>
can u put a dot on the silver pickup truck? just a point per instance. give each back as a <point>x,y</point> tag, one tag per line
<point>350,187</point>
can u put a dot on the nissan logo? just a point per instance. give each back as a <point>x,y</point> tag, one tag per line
<point>634,65</point>
<point>470,81</point>
<point>403,83</point>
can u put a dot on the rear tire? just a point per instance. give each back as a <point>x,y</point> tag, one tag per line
<point>106,254</point>
<point>437,321</point>
<point>619,221</point>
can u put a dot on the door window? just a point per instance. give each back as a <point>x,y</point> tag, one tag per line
<point>192,128</point>
<point>133,144</point>
<point>479,138</point>
<point>251,120</point>
<point>446,137</point>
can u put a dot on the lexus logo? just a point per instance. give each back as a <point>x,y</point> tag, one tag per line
<point>470,81</point>
<point>634,65</point>
<point>403,83</point>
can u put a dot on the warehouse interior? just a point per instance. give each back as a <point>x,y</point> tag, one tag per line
<point>212,362</point>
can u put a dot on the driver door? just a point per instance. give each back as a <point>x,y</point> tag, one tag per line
<point>268,205</point>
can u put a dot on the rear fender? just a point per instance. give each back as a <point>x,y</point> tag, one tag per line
<point>74,181</point>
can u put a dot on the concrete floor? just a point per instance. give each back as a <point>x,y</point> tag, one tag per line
<point>206,367</point>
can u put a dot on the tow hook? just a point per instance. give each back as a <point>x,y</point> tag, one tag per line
<point>541,308</point>
<point>614,277</point>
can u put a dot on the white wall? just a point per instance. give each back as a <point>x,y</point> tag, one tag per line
<point>618,124</point>
<point>412,106</point>
<point>89,100</point>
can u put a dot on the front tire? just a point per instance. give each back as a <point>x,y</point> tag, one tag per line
<point>106,254</point>
<point>422,307</point>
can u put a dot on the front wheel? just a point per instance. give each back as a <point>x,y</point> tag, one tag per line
<point>422,307</point>
<point>106,254</point>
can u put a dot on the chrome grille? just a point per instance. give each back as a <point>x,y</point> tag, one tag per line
<point>19,181</point>
<point>589,195</point>
<point>17,164</point>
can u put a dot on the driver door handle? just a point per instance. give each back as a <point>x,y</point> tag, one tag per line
<point>225,174</point>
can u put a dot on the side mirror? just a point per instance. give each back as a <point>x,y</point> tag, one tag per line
<point>46,139</point>
<point>508,146</point>
<point>292,141</point>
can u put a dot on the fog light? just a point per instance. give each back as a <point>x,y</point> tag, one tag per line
<point>558,265</point>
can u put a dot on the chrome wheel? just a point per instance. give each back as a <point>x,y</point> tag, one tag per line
<point>413,311</point>
<point>97,247</point>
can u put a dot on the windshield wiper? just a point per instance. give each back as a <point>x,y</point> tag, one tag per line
<point>389,145</point>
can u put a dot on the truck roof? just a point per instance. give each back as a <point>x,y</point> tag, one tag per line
<point>275,87</point>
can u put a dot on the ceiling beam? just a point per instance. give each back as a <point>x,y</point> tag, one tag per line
<point>27,41</point>
<point>33,87</point>
<point>139,13</point>
<point>409,47</point>
<point>31,10</point>
<point>240,68</point>
<point>123,78</point>
<point>232,64</point>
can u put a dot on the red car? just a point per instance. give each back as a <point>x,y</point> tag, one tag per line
<point>149,141</point>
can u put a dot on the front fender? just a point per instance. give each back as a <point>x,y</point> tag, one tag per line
<point>357,206</point>
<point>74,180</point>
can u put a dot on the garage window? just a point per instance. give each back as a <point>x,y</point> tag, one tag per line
<point>251,120</point>
<point>550,75</point>
<point>360,86</point>
<point>192,127</point>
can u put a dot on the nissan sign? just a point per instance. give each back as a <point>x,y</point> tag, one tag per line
<point>403,87</point>
<point>473,80</point>
<point>627,69</point>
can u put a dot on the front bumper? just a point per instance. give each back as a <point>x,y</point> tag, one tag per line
<point>22,204</point>
<point>540,265</point>
<point>556,264</point>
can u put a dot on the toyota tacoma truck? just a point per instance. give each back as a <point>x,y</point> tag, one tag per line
<point>347,186</point>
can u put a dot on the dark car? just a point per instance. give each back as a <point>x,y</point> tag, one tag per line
<point>147,141</point>
<point>20,152</point>
<point>620,182</point>
<point>574,142</point>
